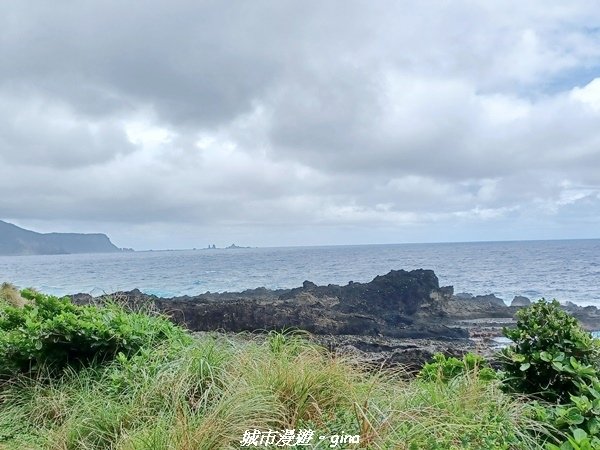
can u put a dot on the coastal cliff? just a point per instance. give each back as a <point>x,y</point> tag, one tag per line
<point>19,241</point>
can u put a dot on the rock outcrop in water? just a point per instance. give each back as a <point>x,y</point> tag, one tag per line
<point>401,317</point>
<point>18,241</point>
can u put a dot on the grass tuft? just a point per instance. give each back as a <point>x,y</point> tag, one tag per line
<point>10,295</point>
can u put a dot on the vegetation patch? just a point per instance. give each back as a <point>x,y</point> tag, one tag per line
<point>52,333</point>
<point>555,360</point>
<point>103,377</point>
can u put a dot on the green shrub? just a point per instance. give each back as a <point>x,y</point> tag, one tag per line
<point>445,369</point>
<point>550,354</point>
<point>54,332</point>
<point>556,360</point>
<point>579,419</point>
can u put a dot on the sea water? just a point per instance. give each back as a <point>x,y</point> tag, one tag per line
<point>567,270</point>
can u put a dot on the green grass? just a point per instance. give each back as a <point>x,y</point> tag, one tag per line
<point>106,378</point>
<point>204,393</point>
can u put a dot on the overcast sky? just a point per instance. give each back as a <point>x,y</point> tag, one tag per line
<point>178,124</point>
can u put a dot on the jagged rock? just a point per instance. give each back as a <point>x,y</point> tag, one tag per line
<point>380,351</point>
<point>479,307</point>
<point>570,306</point>
<point>489,298</point>
<point>398,318</point>
<point>399,304</point>
<point>308,285</point>
<point>519,300</point>
<point>589,316</point>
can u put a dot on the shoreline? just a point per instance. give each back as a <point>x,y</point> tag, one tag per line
<point>563,270</point>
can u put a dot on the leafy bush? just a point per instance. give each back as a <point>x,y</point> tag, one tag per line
<point>445,369</point>
<point>556,360</point>
<point>54,332</point>
<point>580,419</point>
<point>550,354</point>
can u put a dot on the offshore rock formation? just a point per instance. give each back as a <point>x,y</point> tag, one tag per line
<point>18,241</point>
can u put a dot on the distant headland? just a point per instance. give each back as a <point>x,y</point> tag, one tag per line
<point>19,241</point>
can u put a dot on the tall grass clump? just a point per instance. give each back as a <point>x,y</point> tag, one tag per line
<point>308,384</point>
<point>466,413</point>
<point>10,295</point>
<point>129,401</point>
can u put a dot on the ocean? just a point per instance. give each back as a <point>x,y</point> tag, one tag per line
<point>568,270</point>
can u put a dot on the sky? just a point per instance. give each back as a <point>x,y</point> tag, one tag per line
<point>179,124</point>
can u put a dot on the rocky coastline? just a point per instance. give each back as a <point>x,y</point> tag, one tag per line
<point>401,318</point>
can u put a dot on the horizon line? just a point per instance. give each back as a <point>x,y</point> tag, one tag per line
<point>366,244</point>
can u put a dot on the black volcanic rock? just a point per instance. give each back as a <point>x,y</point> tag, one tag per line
<point>489,298</point>
<point>398,318</point>
<point>520,300</point>
<point>18,241</point>
<point>589,316</point>
<point>397,293</point>
<point>400,304</point>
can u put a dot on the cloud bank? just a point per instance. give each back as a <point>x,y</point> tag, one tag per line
<point>181,123</point>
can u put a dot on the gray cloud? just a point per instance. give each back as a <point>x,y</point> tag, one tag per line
<point>34,132</point>
<point>268,116</point>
